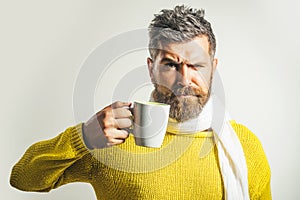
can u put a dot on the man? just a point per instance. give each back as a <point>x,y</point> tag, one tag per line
<point>196,161</point>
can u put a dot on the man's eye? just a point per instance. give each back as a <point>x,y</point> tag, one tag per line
<point>167,67</point>
<point>198,67</point>
<point>172,65</point>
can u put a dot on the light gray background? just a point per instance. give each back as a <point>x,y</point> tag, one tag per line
<point>43,44</point>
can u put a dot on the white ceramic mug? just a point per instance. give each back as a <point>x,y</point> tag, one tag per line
<point>150,123</point>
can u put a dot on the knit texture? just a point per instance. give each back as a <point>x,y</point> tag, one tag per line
<point>185,167</point>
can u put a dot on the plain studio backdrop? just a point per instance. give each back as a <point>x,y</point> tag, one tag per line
<point>44,43</point>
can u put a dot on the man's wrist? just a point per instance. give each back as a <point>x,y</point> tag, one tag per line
<point>85,137</point>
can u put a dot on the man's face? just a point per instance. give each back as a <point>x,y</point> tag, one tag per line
<point>182,74</point>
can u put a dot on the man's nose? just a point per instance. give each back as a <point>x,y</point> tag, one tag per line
<point>184,75</point>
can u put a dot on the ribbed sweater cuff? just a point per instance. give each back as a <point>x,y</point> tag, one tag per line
<point>77,140</point>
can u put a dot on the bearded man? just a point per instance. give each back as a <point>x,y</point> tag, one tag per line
<point>197,160</point>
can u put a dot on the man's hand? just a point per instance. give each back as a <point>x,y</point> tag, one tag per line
<point>106,127</point>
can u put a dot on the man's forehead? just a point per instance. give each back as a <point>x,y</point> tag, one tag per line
<point>196,50</point>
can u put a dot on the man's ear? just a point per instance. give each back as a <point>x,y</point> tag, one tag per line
<point>150,69</point>
<point>215,63</point>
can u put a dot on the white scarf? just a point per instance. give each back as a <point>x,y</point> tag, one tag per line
<point>230,152</point>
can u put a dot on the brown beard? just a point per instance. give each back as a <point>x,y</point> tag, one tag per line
<point>181,108</point>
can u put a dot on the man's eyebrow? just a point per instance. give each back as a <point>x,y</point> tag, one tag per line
<point>168,60</point>
<point>165,60</point>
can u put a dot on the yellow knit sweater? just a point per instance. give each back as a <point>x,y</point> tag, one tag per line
<point>186,167</point>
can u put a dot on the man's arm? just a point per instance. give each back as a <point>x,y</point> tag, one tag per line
<point>266,193</point>
<point>49,164</point>
<point>259,172</point>
<point>44,164</point>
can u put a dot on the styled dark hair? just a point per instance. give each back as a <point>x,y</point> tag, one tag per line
<point>179,25</point>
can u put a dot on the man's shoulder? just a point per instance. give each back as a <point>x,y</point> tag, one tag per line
<point>253,149</point>
<point>244,134</point>
<point>251,144</point>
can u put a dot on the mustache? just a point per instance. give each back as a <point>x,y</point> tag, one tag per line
<point>187,91</point>
<point>182,91</point>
